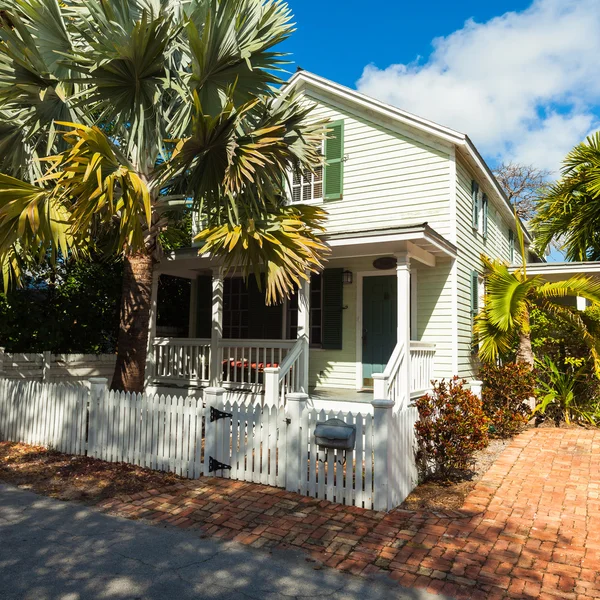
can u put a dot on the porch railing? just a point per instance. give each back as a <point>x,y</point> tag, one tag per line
<point>182,360</point>
<point>244,361</point>
<point>240,363</point>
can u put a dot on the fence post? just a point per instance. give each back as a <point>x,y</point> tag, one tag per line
<point>477,388</point>
<point>296,405</point>
<point>213,442</point>
<point>272,386</point>
<point>380,384</point>
<point>46,358</point>
<point>1,362</point>
<point>382,450</point>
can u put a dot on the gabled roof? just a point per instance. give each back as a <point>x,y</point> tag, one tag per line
<point>464,146</point>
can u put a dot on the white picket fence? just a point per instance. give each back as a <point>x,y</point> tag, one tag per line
<point>44,414</point>
<point>192,437</point>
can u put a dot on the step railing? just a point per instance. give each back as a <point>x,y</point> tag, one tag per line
<point>388,385</point>
<point>422,356</point>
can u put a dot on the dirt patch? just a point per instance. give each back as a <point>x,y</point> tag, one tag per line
<point>435,495</point>
<point>68,477</point>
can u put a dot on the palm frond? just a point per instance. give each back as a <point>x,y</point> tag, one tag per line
<point>284,241</point>
<point>506,295</point>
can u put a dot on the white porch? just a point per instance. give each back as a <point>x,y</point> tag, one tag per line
<point>270,369</point>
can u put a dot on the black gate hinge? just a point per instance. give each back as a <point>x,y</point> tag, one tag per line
<point>215,465</point>
<point>216,414</point>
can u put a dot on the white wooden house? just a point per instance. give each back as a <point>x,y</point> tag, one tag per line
<point>412,206</point>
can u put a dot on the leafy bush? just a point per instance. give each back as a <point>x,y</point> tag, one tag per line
<point>506,393</point>
<point>451,428</point>
<point>562,394</point>
<point>564,361</point>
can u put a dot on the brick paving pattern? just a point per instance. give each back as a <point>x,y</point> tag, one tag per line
<point>529,529</point>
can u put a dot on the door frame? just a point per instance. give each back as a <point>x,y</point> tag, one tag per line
<point>360,276</point>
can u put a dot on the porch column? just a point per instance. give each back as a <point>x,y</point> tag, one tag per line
<point>216,332</point>
<point>192,328</point>
<point>150,355</point>
<point>404,297</point>
<point>304,332</point>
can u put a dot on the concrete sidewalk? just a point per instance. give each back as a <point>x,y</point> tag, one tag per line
<point>52,550</point>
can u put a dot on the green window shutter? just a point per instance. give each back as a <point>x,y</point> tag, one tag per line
<point>333,177</point>
<point>333,308</point>
<point>484,211</point>
<point>474,293</point>
<point>475,197</point>
<point>204,307</point>
<point>511,246</point>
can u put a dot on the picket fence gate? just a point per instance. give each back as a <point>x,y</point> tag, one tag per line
<point>244,441</point>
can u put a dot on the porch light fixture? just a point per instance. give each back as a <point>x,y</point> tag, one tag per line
<point>347,277</point>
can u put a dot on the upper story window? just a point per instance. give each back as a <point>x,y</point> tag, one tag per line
<point>327,182</point>
<point>480,206</point>
<point>511,246</point>
<point>307,186</point>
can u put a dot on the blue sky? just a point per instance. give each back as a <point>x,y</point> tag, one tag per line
<point>337,38</point>
<point>520,78</point>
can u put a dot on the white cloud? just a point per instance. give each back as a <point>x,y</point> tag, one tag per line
<point>524,86</point>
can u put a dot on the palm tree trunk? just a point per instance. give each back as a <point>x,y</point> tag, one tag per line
<point>525,351</point>
<point>136,300</point>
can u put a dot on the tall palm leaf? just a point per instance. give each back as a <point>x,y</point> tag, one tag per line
<point>119,113</point>
<point>570,210</point>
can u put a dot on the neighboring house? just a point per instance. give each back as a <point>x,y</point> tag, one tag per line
<point>412,206</point>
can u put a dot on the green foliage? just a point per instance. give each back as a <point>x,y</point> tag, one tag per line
<point>451,428</point>
<point>505,320</point>
<point>116,115</point>
<point>570,209</point>
<point>562,394</point>
<point>73,308</point>
<point>506,392</point>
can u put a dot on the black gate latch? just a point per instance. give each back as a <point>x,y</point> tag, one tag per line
<point>215,465</point>
<point>216,414</point>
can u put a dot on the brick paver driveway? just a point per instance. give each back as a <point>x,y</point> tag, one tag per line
<point>530,528</point>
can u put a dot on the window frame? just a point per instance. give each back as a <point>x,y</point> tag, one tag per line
<point>314,199</point>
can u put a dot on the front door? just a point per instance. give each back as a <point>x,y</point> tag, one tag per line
<point>380,323</point>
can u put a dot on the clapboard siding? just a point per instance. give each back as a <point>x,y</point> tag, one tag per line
<point>399,180</point>
<point>434,312</point>
<point>471,245</point>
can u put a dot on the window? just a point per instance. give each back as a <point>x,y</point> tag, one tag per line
<point>477,293</point>
<point>307,186</point>
<point>316,312</point>
<point>511,246</point>
<point>476,206</point>
<point>484,215</point>
<point>235,308</point>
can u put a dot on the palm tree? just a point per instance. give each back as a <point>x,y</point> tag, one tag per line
<point>509,298</point>
<point>569,212</point>
<point>117,116</point>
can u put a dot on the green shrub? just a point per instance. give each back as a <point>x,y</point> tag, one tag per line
<point>562,394</point>
<point>451,428</point>
<point>506,393</point>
